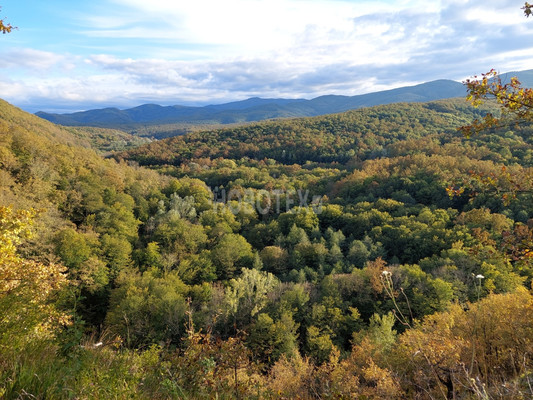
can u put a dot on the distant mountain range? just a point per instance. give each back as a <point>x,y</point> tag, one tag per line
<point>257,109</point>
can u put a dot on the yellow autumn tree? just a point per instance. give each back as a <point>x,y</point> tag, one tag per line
<point>482,352</point>
<point>5,27</point>
<point>26,286</point>
<point>515,101</point>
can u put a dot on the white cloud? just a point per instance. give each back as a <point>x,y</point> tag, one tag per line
<point>498,16</point>
<point>33,59</point>
<point>251,27</point>
<point>206,51</point>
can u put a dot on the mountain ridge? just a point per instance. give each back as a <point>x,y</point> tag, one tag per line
<point>257,109</point>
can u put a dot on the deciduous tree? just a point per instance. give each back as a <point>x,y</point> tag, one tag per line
<point>516,101</point>
<point>5,27</point>
<point>26,286</point>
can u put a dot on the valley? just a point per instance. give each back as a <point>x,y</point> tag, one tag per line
<point>323,248</point>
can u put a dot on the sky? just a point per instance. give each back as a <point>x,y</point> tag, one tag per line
<point>70,55</point>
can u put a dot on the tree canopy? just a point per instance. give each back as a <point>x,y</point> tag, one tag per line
<point>307,258</point>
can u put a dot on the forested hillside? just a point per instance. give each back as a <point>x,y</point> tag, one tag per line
<point>370,254</point>
<point>147,118</point>
<point>354,135</point>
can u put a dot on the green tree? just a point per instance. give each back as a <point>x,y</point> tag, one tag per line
<point>117,253</point>
<point>319,344</point>
<point>302,217</point>
<point>358,254</point>
<point>182,207</point>
<point>149,257</point>
<point>380,330</point>
<point>197,268</point>
<point>148,307</point>
<point>93,274</point>
<point>294,301</point>
<point>269,340</point>
<point>179,236</point>
<point>73,247</point>
<point>219,221</point>
<point>118,220</point>
<point>275,259</point>
<point>231,253</point>
<point>248,294</point>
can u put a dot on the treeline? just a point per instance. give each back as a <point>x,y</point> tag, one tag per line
<point>359,134</point>
<point>333,262</point>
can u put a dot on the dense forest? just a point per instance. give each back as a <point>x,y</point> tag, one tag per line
<point>373,254</point>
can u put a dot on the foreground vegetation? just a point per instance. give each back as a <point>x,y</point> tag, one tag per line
<point>333,262</point>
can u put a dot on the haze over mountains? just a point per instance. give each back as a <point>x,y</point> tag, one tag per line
<point>257,109</point>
